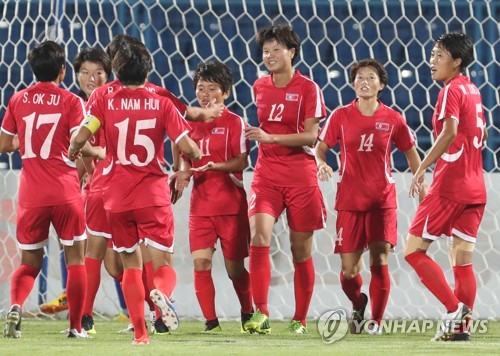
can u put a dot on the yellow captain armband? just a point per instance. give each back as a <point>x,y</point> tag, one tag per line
<point>92,123</point>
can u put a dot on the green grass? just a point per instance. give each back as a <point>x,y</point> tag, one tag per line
<point>42,337</point>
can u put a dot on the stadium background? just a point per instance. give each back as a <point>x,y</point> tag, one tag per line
<point>179,34</point>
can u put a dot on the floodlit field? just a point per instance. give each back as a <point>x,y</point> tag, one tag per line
<point>42,337</point>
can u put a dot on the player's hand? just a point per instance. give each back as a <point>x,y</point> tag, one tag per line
<point>178,182</point>
<point>417,184</point>
<point>325,172</point>
<point>204,168</point>
<point>257,134</point>
<point>214,109</point>
<point>100,153</point>
<point>423,192</point>
<point>74,154</point>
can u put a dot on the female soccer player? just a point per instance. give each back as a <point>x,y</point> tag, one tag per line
<point>136,193</point>
<point>92,68</point>
<point>218,200</point>
<point>289,107</point>
<point>455,204</point>
<point>44,116</point>
<point>365,129</point>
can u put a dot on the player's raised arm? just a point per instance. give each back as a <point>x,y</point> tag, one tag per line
<point>82,135</point>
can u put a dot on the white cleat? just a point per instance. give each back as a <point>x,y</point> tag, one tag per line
<point>168,313</point>
<point>74,334</point>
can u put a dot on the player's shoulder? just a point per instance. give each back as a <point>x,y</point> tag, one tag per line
<point>303,80</point>
<point>232,118</point>
<point>390,112</point>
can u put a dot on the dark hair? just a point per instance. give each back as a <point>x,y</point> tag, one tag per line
<point>46,61</point>
<point>369,62</point>
<point>94,55</point>
<point>215,72</point>
<point>132,63</point>
<point>458,45</point>
<point>117,42</point>
<point>283,34</point>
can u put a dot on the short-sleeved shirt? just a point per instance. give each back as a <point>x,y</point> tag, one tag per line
<point>365,179</point>
<point>458,174</point>
<point>135,122</point>
<point>99,139</point>
<point>219,193</point>
<point>43,116</point>
<point>284,111</point>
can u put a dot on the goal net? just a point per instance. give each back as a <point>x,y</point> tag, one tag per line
<point>180,33</point>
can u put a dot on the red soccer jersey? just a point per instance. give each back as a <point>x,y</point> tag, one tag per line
<point>458,174</point>
<point>43,116</point>
<point>219,193</point>
<point>283,111</point>
<point>365,179</point>
<point>135,123</point>
<point>99,139</point>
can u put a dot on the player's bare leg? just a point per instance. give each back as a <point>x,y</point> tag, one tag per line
<point>380,284</point>
<point>351,282</point>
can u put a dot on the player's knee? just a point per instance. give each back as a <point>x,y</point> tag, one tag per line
<point>202,264</point>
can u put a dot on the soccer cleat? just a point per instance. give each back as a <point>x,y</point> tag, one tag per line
<point>141,341</point>
<point>121,317</point>
<point>374,328</point>
<point>463,336</point>
<point>56,305</point>
<point>244,318</point>
<point>357,317</point>
<point>212,326</point>
<point>168,313</point>
<point>12,327</point>
<point>74,334</point>
<point>258,323</point>
<point>296,327</point>
<point>88,324</point>
<point>159,327</point>
<point>128,329</point>
<point>450,321</point>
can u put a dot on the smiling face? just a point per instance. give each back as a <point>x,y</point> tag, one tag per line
<point>207,91</point>
<point>367,83</point>
<point>90,76</point>
<point>277,58</point>
<point>443,66</point>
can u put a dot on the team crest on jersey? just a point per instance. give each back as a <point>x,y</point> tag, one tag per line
<point>218,130</point>
<point>292,97</point>
<point>383,126</point>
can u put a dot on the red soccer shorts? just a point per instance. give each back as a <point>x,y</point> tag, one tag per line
<point>305,208</point>
<point>357,229</point>
<point>97,220</point>
<point>232,230</point>
<point>154,225</point>
<point>439,216</point>
<point>33,224</point>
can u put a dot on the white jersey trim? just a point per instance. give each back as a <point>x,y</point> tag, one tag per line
<point>158,246</point>
<point>181,136</point>
<point>98,233</point>
<point>463,236</point>
<point>33,246</point>
<point>8,132</point>
<point>125,249</point>
<point>443,104</point>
